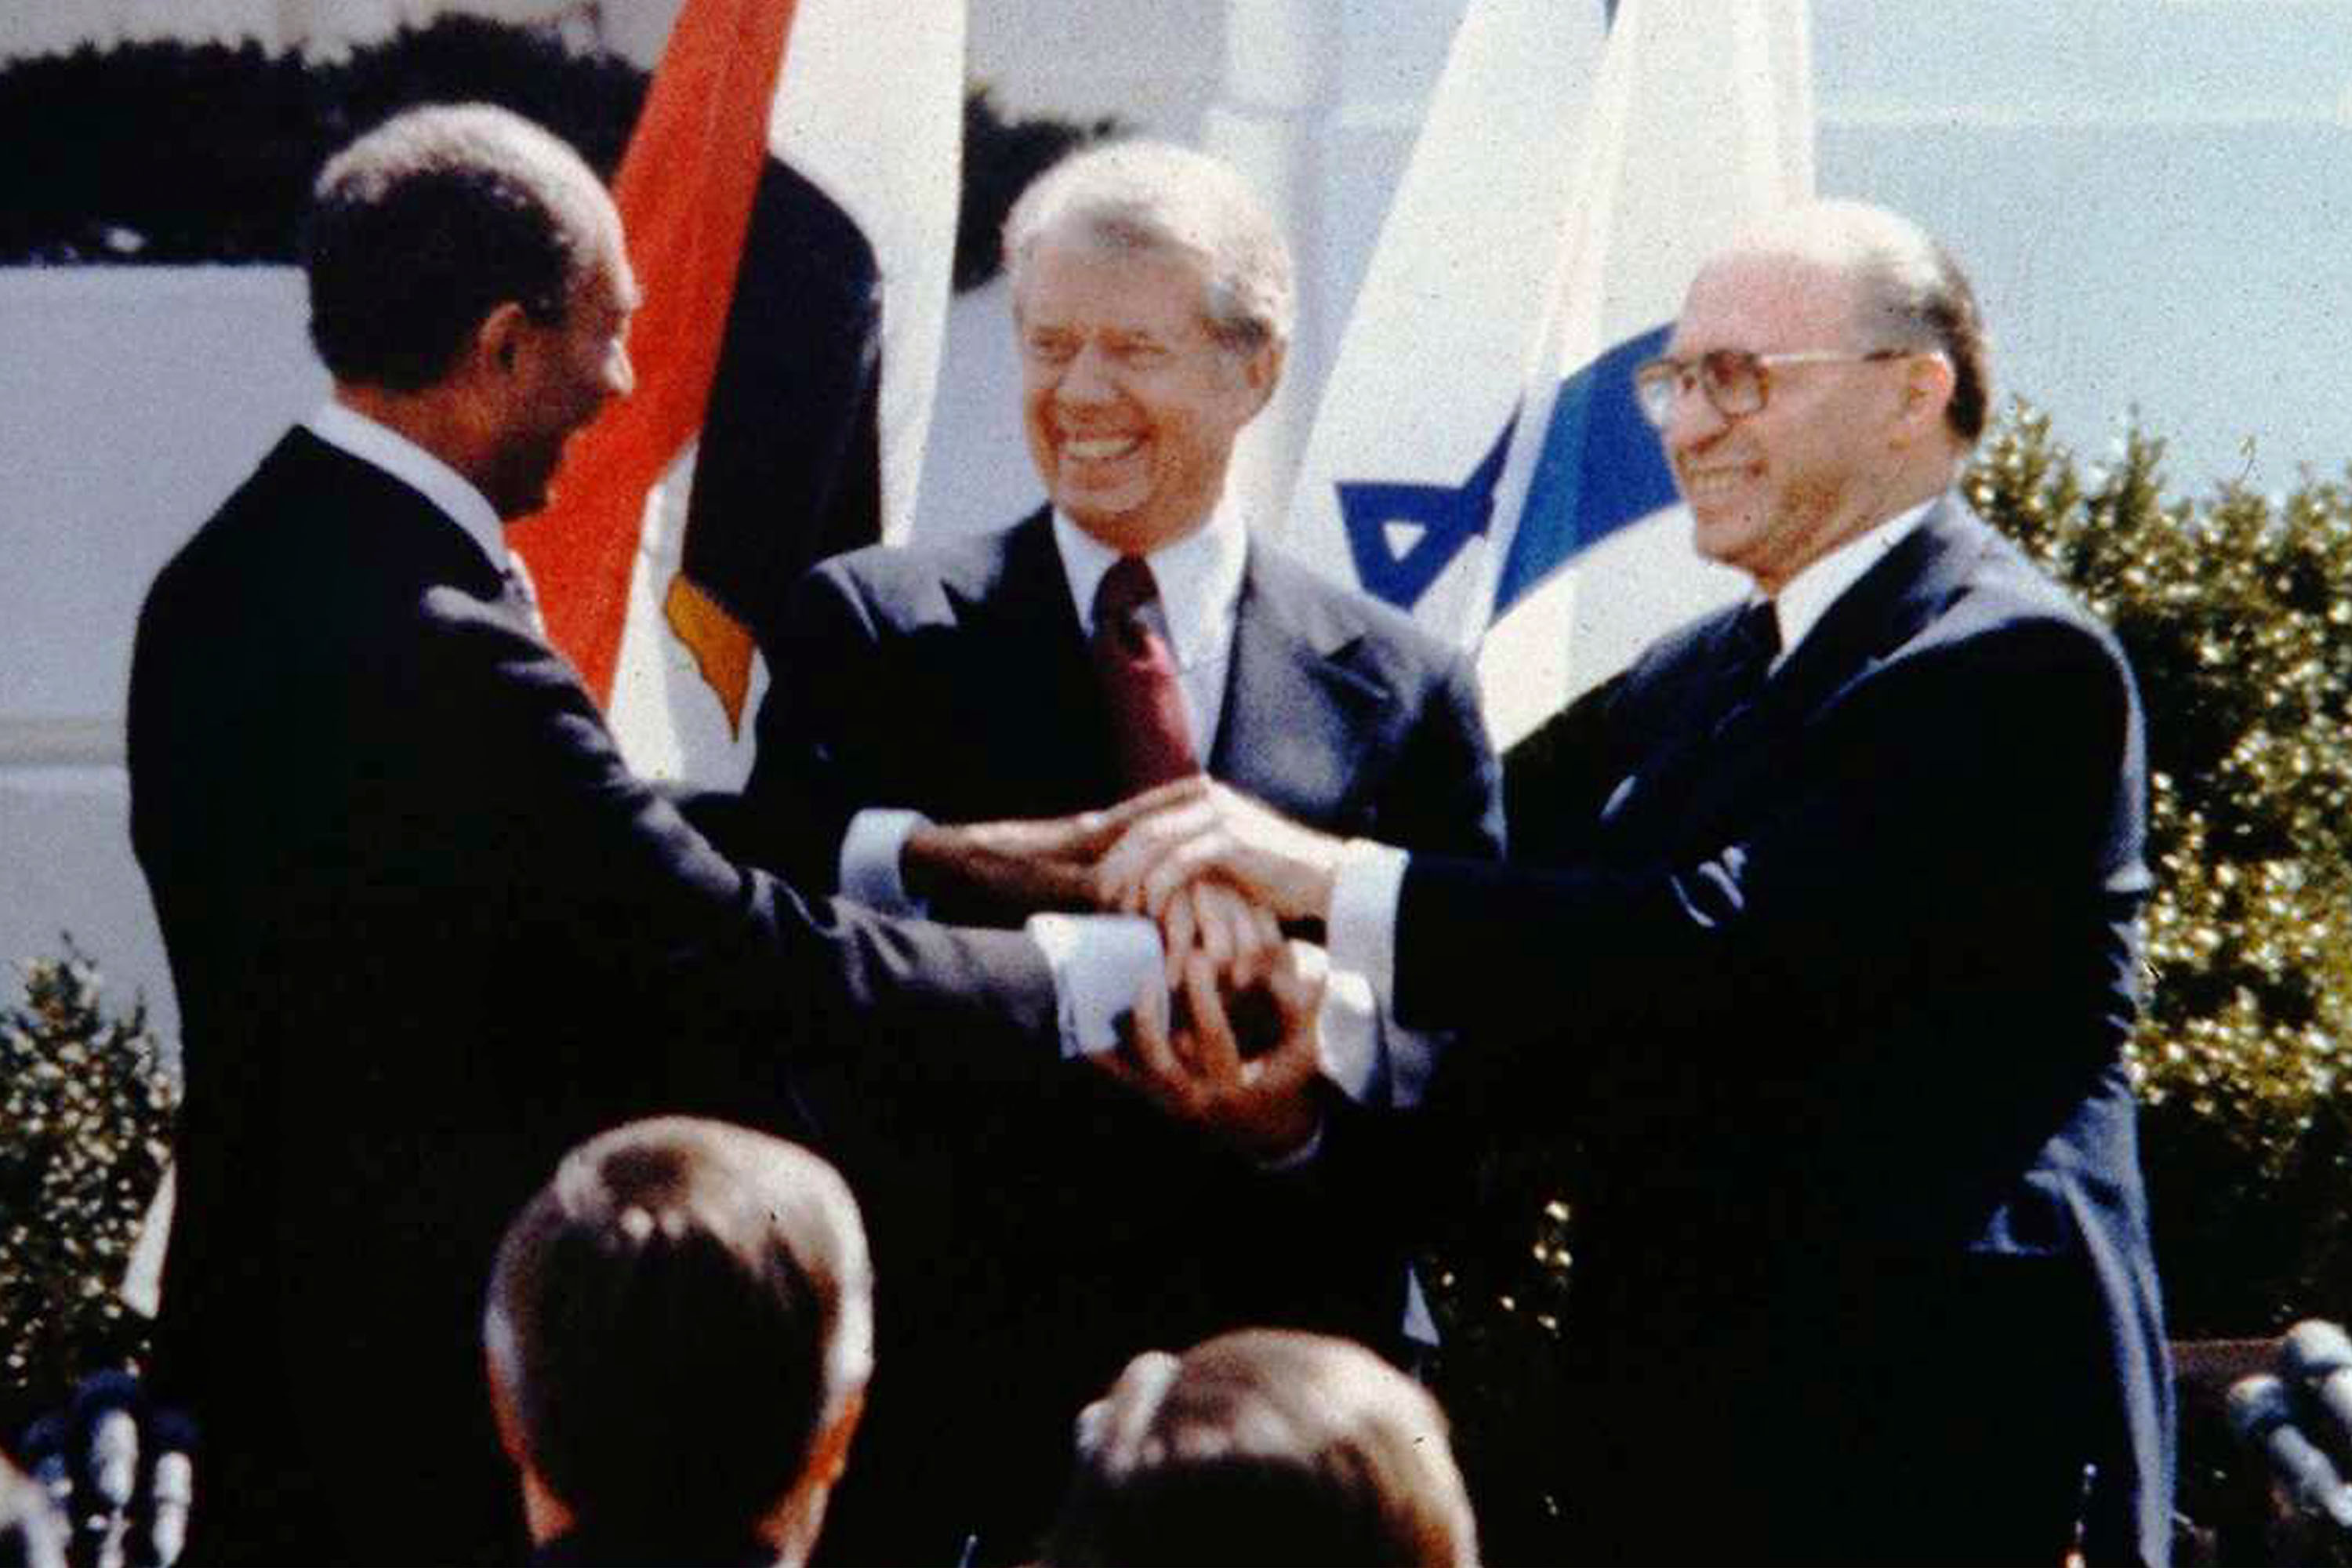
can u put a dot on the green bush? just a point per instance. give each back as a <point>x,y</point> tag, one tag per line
<point>172,153</point>
<point>87,1103</point>
<point>2236,611</point>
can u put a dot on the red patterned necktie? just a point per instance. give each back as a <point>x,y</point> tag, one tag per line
<point>1137,674</point>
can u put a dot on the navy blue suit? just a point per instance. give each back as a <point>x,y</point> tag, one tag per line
<point>1052,1244</point>
<point>1827,993</point>
<point>427,932</point>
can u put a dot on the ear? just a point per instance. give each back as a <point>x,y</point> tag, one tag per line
<point>497,341</point>
<point>1924,392</point>
<point>1262,373</point>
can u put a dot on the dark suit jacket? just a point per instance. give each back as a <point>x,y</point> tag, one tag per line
<point>427,932</point>
<point>954,679</point>
<point>1831,1001</point>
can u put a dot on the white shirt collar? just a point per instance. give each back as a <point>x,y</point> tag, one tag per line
<point>1805,598</point>
<point>348,430</point>
<point>1200,579</point>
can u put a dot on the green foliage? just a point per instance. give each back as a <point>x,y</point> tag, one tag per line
<point>86,1110</point>
<point>171,153</point>
<point>2237,614</point>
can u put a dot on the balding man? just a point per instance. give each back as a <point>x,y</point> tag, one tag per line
<point>1828,965</point>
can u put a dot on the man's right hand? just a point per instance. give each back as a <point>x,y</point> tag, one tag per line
<point>1022,866</point>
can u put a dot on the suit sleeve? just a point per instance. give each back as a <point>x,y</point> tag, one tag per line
<point>1445,795</point>
<point>830,713</point>
<point>1952,827</point>
<point>620,878</point>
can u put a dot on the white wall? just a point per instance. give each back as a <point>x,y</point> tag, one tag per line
<point>132,400</point>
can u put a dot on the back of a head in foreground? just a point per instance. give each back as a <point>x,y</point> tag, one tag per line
<point>32,1534</point>
<point>676,1320</point>
<point>1264,1446</point>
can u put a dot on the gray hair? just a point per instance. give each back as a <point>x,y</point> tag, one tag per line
<point>1908,292</point>
<point>1153,198</point>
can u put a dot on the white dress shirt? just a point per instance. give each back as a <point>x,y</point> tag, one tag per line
<point>1362,926</point>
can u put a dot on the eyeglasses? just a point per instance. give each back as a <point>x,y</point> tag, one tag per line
<point>1735,381</point>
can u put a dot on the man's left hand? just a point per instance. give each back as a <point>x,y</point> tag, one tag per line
<point>1197,829</point>
<point>1267,1106</point>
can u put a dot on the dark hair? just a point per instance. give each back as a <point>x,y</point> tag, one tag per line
<point>1264,1446</point>
<point>421,228</point>
<point>676,1316</point>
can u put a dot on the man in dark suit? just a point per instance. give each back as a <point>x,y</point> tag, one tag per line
<point>426,929</point>
<point>1821,941</point>
<point>948,722</point>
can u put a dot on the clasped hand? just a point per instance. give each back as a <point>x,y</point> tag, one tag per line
<point>1229,1046</point>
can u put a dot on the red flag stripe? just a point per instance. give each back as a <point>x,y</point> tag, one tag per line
<point>684,192</point>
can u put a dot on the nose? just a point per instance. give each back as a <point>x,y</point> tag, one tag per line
<point>1087,379</point>
<point>1693,420</point>
<point>620,371</point>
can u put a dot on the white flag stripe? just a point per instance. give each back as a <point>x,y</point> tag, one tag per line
<point>1701,122</point>
<point>870,109</point>
<point>858,114</point>
<point>1452,301</point>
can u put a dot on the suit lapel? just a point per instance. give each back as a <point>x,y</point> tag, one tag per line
<point>1692,782</point>
<point>1299,708</point>
<point>1034,675</point>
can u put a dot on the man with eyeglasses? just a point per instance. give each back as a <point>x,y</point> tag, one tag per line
<point>1819,945</point>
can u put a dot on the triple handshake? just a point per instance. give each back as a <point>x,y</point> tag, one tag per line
<point>428,930</point>
<point>1228,1043</point>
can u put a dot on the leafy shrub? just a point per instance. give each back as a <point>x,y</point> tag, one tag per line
<point>87,1104</point>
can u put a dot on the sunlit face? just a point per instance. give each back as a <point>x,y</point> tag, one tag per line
<point>1773,491</point>
<point>1129,404</point>
<point>565,371</point>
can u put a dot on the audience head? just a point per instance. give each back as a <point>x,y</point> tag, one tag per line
<point>1264,1446</point>
<point>461,249</point>
<point>679,1335</point>
<point>1828,371</point>
<point>1153,298</point>
<point>32,1534</point>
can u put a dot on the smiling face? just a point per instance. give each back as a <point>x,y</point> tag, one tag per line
<point>565,371</point>
<point>1130,402</point>
<point>1773,491</point>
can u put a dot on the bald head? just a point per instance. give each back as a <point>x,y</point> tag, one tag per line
<point>1825,374</point>
<point>1905,291</point>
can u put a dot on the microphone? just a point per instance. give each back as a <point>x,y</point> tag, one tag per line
<point>170,1487</point>
<point>2317,1356</point>
<point>2263,1414</point>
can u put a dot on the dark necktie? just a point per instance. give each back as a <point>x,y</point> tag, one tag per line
<point>1749,647</point>
<point>1138,678</point>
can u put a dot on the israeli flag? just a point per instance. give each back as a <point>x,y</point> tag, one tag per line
<point>1478,457</point>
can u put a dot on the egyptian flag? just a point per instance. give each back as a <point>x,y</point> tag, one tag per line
<point>789,199</point>
<point>1562,193</point>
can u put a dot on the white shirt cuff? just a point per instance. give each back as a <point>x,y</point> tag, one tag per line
<point>1362,929</point>
<point>870,853</point>
<point>1100,963</point>
<point>1347,1036</point>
